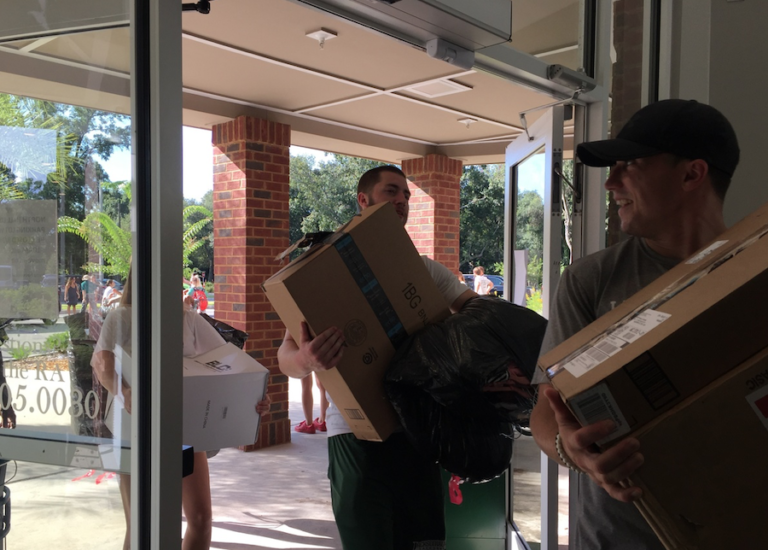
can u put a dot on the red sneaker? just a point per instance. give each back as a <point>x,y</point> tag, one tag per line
<point>304,428</point>
<point>319,426</point>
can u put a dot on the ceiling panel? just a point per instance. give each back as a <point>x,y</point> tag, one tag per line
<point>395,116</point>
<point>108,49</point>
<point>233,75</point>
<point>277,28</point>
<point>256,53</point>
<point>490,98</point>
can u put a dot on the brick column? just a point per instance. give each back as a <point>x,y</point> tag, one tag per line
<point>433,222</point>
<point>250,227</point>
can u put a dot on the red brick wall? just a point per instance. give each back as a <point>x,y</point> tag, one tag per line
<point>250,225</point>
<point>433,222</point>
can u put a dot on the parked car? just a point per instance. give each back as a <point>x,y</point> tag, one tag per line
<point>469,279</point>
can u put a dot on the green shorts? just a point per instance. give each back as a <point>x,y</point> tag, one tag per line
<point>386,496</point>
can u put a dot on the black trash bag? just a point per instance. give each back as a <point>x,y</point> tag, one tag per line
<point>435,383</point>
<point>228,332</point>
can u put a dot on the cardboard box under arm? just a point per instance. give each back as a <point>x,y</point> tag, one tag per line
<point>368,280</point>
<point>221,389</point>
<point>692,325</point>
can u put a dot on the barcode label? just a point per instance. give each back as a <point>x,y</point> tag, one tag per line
<point>593,356</point>
<point>640,325</point>
<point>608,347</point>
<point>652,382</point>
<point>613,343</point>
<point>355,414</point>
<point>598,404</point>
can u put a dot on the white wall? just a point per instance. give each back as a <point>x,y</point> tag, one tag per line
<point>719,56</point>
<point>738,80</point>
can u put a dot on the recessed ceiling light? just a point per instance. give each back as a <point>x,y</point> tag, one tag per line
<point>322,35</point>
<point>437,88</point>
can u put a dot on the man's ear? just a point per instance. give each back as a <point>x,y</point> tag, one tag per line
<point>362,200</point>
<point>696,174</point>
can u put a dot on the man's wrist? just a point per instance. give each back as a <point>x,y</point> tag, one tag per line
<point>564,458</point>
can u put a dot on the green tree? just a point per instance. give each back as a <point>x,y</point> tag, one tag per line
<point>198,239</point>
<point>69,172</point>
<point>323,194</point>
<point>529,233</point>
<point>482,218</point>
<point>113,243</point>
<point>108,239</point>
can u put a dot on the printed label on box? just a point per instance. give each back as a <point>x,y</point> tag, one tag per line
<point>706,252</point>
<point>759,402</point>
<point>613,343</point>
<point>598,404</point>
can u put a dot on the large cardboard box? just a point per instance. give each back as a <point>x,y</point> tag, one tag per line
<point>221,389</point>
<point>679,334</point>
<point>368,280</point>
<point>705,479</point>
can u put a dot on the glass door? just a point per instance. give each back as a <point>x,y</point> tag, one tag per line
<point>533,246</point>
<point>81,260</point>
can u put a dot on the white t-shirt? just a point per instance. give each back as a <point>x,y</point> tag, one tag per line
<point>483,285</point>
<point>450,288</point>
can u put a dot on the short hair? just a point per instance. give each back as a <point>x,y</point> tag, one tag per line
<point>720,180</point>
<point>479,270</point>
<point>369,180</point>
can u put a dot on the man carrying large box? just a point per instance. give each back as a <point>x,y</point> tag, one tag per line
<point>671,167</point>
<point>385,495</point>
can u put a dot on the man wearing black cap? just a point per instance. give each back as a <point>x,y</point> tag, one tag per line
<point>671,166</point>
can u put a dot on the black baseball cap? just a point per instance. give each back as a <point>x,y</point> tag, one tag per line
<point>685,128</point>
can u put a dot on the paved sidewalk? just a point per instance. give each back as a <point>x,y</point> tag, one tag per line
<point>277,497</point>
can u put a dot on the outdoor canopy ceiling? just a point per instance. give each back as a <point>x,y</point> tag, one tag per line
<point>363,93</point>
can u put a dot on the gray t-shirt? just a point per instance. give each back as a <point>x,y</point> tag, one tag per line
<point>588,289</point>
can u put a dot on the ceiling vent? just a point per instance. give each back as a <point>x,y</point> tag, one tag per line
<point>438,88</point>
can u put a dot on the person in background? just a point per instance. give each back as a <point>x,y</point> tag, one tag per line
<point>483,285</point>
<point>199,337</point>
<point>197,293</point>
<point>71,295</point>
<point>110,294</point>
<point>309,426</point>
<point>671,164</point>
<point>461,279</point>
<point>87,290</point>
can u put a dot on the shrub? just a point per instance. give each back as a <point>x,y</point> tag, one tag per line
<point>208,285</point>
<point>57,342</point>
<point>535,302</point>
<point>20,353</point>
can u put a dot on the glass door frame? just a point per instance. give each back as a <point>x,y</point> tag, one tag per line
<point>545,133</point>
<point>157,110</point>
<point>588,232</point>
<point>156,224</point>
